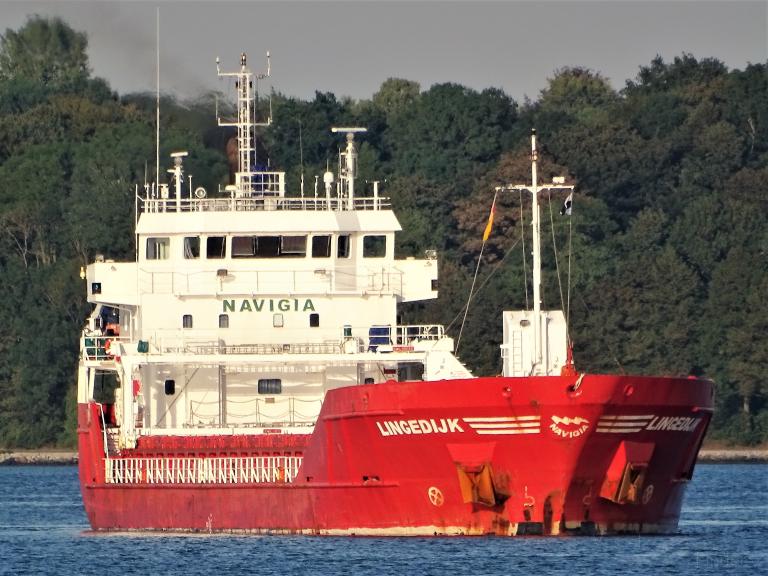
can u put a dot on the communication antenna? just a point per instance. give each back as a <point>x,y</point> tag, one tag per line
<point>348,163</point>
<point>157,103</point>
<point>327,183</point>
<point>301,158</point>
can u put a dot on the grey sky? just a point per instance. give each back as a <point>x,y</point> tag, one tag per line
<point>350,48</point>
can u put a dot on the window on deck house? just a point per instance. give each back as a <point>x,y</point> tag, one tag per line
<point>216,247</point>
<point>192,247</point>
<point>374,246</point>
<point>342,246</point>
<point>158,248</point>
<point>321,246</point>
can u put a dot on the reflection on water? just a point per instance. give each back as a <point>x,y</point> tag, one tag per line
<point>43,530</point>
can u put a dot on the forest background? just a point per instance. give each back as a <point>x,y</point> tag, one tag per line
<point>668,232</point>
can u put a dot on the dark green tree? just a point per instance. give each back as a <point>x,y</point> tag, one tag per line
<point>46,51</point>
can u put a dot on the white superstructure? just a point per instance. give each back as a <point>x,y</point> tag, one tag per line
<point>243,308</point>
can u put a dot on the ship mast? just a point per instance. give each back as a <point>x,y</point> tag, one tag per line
<point>245,124</point>
<point>558,184</point>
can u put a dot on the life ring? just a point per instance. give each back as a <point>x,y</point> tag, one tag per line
<point>108,350</point>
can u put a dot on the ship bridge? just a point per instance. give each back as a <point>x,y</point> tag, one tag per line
<point>245,306</point>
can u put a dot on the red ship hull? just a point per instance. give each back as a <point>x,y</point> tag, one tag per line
<point>539,455</point>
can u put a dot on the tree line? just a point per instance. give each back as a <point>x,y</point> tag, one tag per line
<point>667,243</point>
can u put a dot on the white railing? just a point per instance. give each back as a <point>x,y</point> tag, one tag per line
<point>205,342</point>
<point>408,333</point>
<point>263,183</point>
<point>102,348</point>
<point>295,348</point>
<point>259,203</point>
<point>213,470</point>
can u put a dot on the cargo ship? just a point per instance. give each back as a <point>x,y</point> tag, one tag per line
<point>247,373</point>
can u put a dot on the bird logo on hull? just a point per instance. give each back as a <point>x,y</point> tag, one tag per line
<point>569,427</point>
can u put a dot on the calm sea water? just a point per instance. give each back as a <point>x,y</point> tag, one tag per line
<point>43,530</point>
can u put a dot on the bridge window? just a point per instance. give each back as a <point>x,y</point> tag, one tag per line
<point>158,248</point>
<point>374,246</point>
<point>269,246</point>
<point>215,247</point>
<point>223,320</point>
<point>342,247</point>
<point>266,246</point>
<point>243,246</point>
<point>321,246</point>
<point>192,247</point>
<point>270,386</point>
<point>277,320</point>
<point>293,246</point>
<point>314,320</point>
<point>186,321</point>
